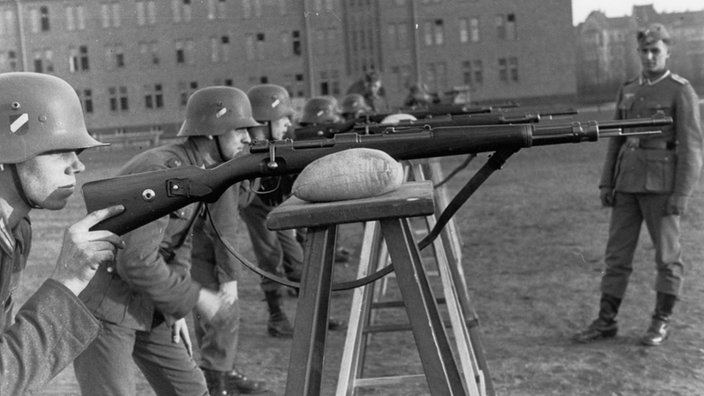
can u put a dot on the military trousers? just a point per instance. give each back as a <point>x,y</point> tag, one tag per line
<point>105,368</point>
<point>629,212</point>
<point>217,345</point>
<point>277,252</point>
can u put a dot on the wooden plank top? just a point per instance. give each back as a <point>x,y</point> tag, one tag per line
<point>409,200</point>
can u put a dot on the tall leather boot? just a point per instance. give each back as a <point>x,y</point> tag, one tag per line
<point>659,328</point>
<point>278,324</point>
<point>215,381</point>
<point>605,324</point>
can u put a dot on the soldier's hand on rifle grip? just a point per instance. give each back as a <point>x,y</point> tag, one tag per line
<point>84,250</point>
<point>676,204</point>
<point>607,196</point>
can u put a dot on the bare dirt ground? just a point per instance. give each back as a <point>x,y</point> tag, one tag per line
<point>533,241</point>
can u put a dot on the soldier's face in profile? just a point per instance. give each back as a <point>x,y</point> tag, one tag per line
<point>279,127</point>
<point>233,142</point>
<point>50,179</point>
<point>653,56</point>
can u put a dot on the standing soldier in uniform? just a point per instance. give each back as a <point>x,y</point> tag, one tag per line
<point>371,88</point>
<point>649,179</point>
<point>43,134</point>
<point>143,304</point>
<point>277,252</point>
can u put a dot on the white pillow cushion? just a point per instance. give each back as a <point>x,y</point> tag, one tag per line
<point>349,174</point>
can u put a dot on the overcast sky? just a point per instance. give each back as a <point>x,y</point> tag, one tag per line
<point>615,8</point>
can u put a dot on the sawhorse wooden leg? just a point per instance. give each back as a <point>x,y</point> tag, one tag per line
<point>310,327</point>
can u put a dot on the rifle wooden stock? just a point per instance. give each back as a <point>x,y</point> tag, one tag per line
<point>151,195</point>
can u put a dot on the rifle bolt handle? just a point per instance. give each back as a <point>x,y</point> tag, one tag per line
<point>148,194</point>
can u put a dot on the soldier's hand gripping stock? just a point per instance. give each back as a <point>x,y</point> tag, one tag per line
<point>83,250</point>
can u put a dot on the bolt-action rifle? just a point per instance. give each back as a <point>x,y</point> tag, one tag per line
<point>366,128</point>
<point>151,195</point>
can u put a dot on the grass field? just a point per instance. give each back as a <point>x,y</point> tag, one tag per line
<point>532,242</point>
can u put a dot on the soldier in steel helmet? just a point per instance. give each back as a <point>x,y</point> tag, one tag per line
<point>217,269</point>
<point>320,110</point>
<point>354,106</point>
<point>43,134</point>
<point>143,303</point>
<point>649,179</point>
<point>279,252</point>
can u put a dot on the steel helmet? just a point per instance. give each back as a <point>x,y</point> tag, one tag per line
<point>354,103</point>
<point>213,111</point>
<point>270,102</point>
<point>42,113</point>
<point>320,110</point>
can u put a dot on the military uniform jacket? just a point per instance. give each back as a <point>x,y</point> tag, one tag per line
<point>14,249</point>
<point>153,271</point>
<point>50,330</point>
<point>669,162</point>
<point>209,253</point>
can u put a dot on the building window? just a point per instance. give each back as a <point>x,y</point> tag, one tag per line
<point>464,30</point>
<point>146,12</point>
<point>12,60</point>
<point>181,10</point>
<point>114,56</point>
<point>43,61</point>
<point>34,20</point>
<point>44,12</point>
<point>118,99</point>
<point>436,76</point>
<point>511,27</point>
<point>474,29</point>
<point>500,27</point>
<point>86,98</point>
<point>330,82</point>
<point>506,27</point>
<point>503,70</point>
<point>217,9</point>
<point>439,32</point>
<point>296,34</point>
<point>153,96</point>
<point>259,46</point>
<point>180,52</point>
<point>185,90</point>
<point>513,68</point>
<point>428,33</point>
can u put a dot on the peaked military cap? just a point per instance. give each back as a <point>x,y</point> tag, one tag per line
<point>653,33</point>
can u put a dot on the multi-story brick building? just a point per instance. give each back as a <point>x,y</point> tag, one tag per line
<point>607,53</point>
<point>135,62</point>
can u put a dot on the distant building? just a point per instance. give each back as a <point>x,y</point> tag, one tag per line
<point>607,55</point>
<point>134,63</point>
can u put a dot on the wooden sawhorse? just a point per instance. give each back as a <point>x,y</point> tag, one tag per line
<point>310,328</point>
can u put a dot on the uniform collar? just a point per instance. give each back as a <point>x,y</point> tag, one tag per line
<point>645,81</point>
